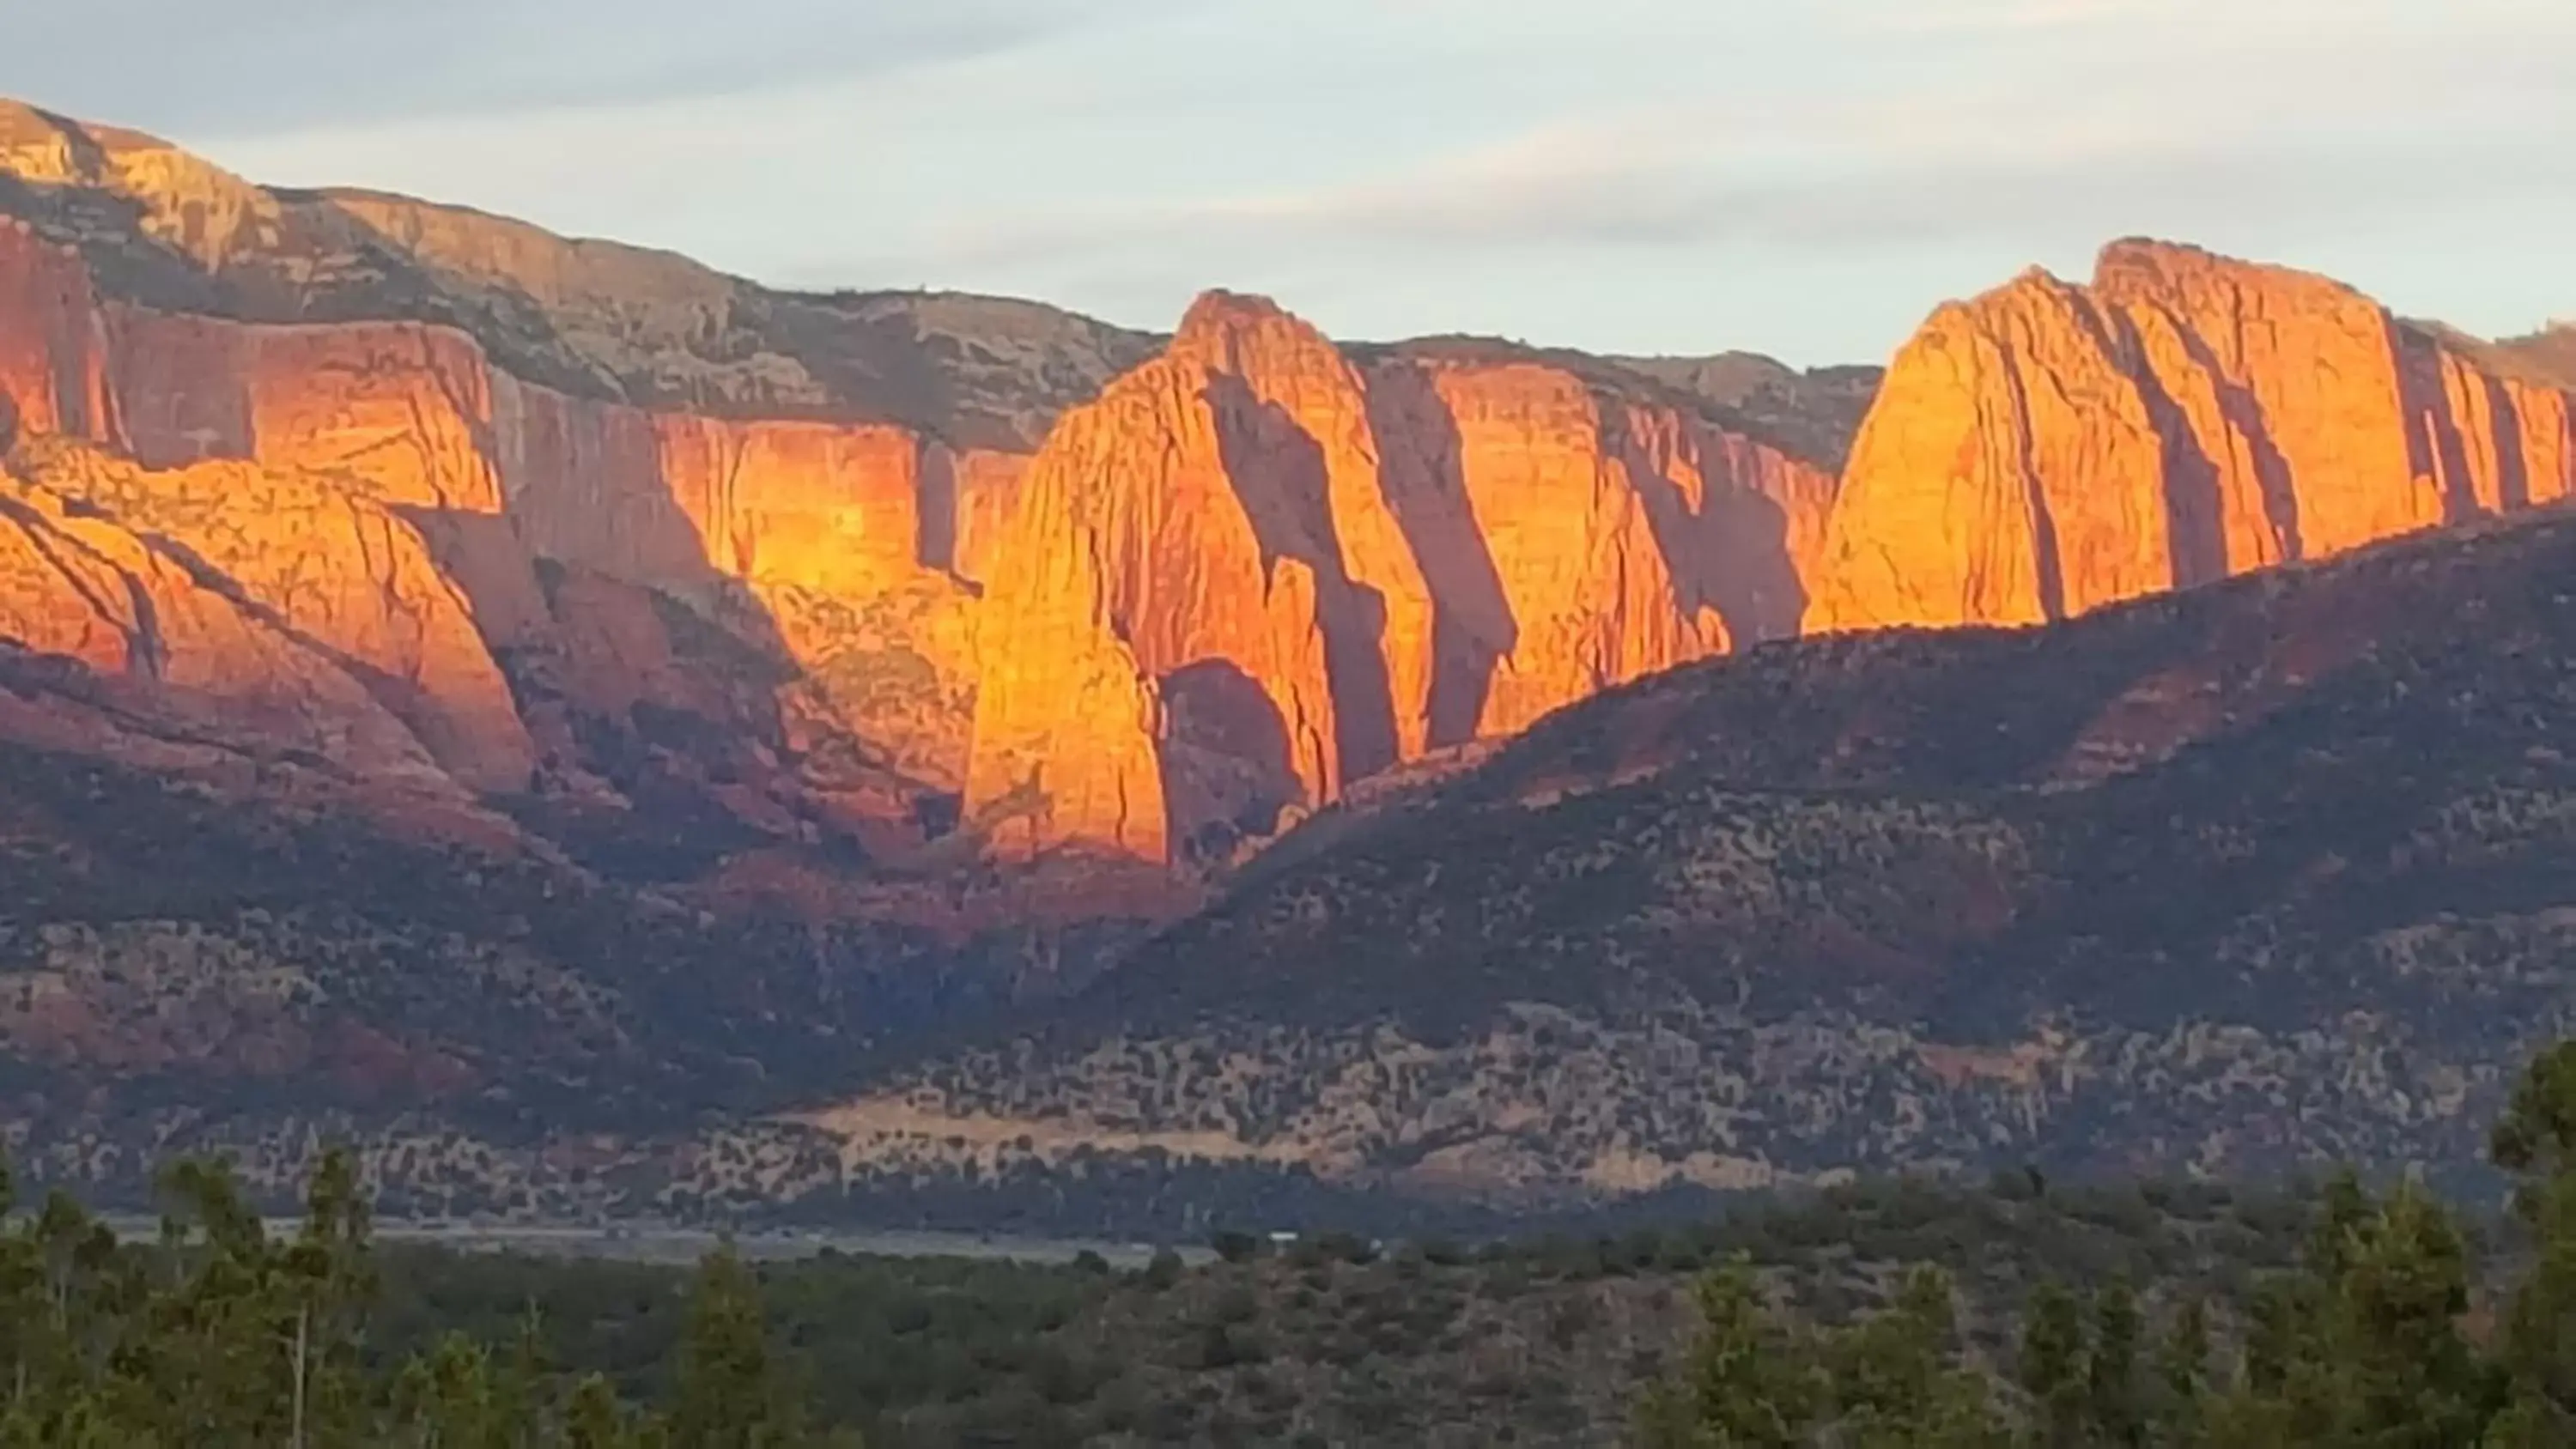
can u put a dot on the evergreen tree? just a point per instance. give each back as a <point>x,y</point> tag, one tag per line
<point>216,1337</point>
<point>1896,1383</point>
<point>2182,1373</point>
<point>444,1399</point>
<point>2053,1366</point>
<point>594,1419</point>
<point>323,1283</point>
<point>1749,1382</point>
<point>731,1394</point>
<point>2536,1141</point>
<point>2111,1406</point>
<point>2407,1375</point>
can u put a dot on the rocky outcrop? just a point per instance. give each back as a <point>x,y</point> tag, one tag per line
<point>280,603</point>
<point>592,319</point>
<point>1606,535</point>
<point>53,356</point>
<point>1272,572</point>
<point>1165,572</point>
<point>803,542</point>
<point>788,551</point>
<point>2047,449</point>
<point>803,561</point>
<point>166,200</point>
<point>1813,413</point>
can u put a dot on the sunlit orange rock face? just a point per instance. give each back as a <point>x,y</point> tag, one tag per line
<point>651,540</point>
<point>1265,572</point>
<point>52,354</point>
<point>2047,449</point>
<point>1241,578</point>
<point>1584,538</point>
<point>799,542</point>
<point>1251,573</point>
<point>281,603</point>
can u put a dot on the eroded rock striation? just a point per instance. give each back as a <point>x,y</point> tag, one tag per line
<point>278,602</point>
<point>601,527</point>
<point>1270,571</point>
<point>2050,448</point>
<point>791,554</point>
<point>867,567</point>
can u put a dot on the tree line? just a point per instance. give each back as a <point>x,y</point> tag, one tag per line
<point>2387,1334</point>
<point>217,1334</point>
<point>2402,1322</point>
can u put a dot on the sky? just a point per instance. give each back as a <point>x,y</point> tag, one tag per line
<point>1800,177</point>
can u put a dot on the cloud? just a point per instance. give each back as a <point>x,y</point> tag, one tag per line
<point>2325,25</point>
<point>2102,142</point>
<point>1537,166</point>
<point>269,66</point>
<point>1622,208</point>
<point>1937,16</point>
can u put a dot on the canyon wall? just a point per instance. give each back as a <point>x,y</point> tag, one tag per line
<point>1271,571</point>
<point>586,523</point>
<point>2047,448</point>
<point>1250,572</point>
<point>285,606</point>
<point>804,540</point>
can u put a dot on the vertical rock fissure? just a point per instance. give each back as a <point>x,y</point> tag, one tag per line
<point>2038,518</point>
<point>2505,422</point>
<point>2243,413</point>
<point>2195,527</point>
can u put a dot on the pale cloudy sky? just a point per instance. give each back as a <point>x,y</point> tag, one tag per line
<point>1804,177</point>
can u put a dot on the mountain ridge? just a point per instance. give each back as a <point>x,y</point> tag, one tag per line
<point>883,660</point>
<point>429,400</point>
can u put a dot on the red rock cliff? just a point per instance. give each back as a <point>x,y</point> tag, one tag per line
<point>1246,574</point>
<point>2047,449</point>
<point>806,538</point>
<point>1268,573</point>
<point>53,352</point>
<point>278,601</point>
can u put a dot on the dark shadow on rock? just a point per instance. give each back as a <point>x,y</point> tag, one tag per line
<point>424,715</point>
<point>2433,446</point>
<point>1226,767</point>
<point>170,420</point>
<point>2237,404</point>
<point>1424,475</point>
<point>2043,518</point>
<point>2195,507</point>
<point>1277,471</point>
<point>2513,469</point>
<point>935,508</point>
<point>59,311</point>
<point>1729,551</point>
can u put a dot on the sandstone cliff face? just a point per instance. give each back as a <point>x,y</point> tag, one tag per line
<point>785,554</point>
<point>592,319</point>
<point>1276,573</point>
<point>1559,506</point>
<point>2048,449</point>
<point>53,358</point>
<point>1161,568</point>
<point>181,202</point>
<point>231,587</point>
<point>803,540</point>
<point>969,498</point>
<point>1618,536</point>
